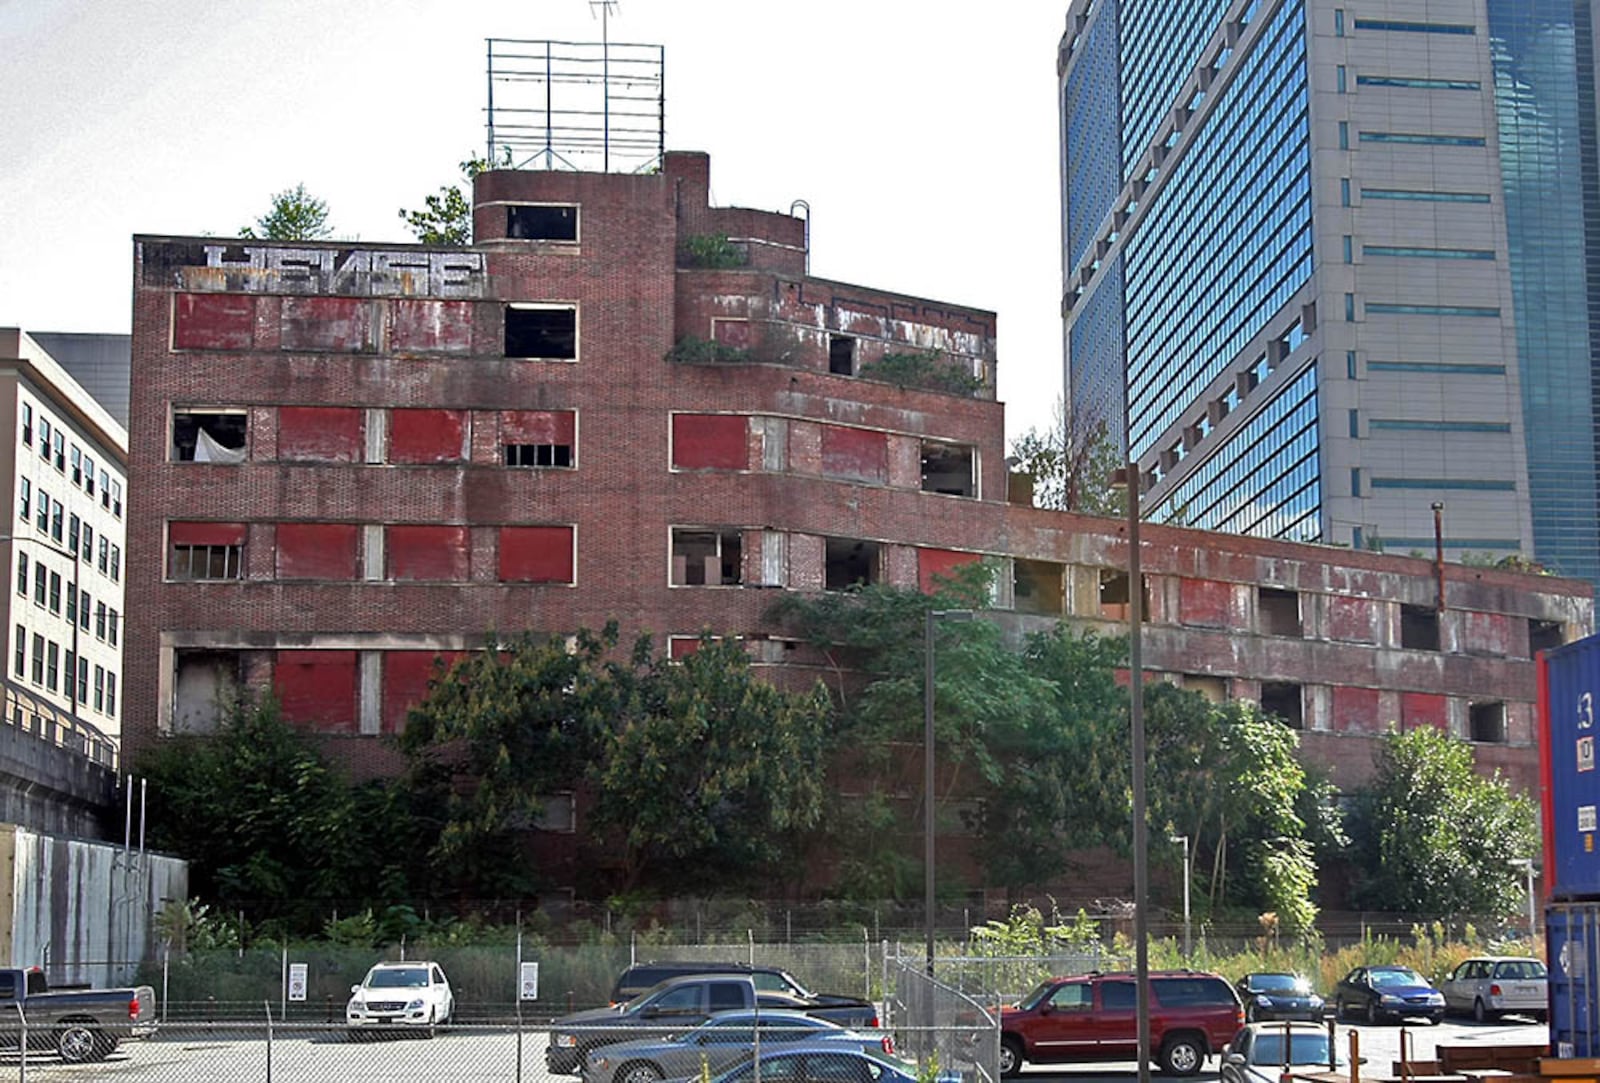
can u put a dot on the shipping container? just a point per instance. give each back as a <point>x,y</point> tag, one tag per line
<point>1572,939</point>
<point>1569,679</point>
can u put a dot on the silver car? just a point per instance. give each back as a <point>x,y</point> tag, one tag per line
<point>1490,986</point>
<point>721,1042</point>
<point>1257,1052</point>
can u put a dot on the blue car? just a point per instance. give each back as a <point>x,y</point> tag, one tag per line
<point>1376,993</point>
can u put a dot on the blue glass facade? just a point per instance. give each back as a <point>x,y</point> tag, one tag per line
<point>1161,42</point>
<point>1543,57</point>
<point>1096,351</point>
<point>1093,143</point>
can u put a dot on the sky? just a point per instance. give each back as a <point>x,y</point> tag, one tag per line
<point>922,135</point>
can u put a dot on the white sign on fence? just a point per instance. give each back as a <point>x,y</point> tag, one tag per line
<point>297,981</point>
<point>530,981</point>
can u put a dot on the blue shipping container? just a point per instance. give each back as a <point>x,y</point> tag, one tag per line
<point>1572,939</point>
<point>1569,685</point>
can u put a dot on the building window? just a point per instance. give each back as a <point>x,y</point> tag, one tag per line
<point>111,694</point>
<point>1282,698</point>
<point>707,558</point>
<point>76,459</point>
<point>100,621</point>
<point>41,583</point>
<point>1419,628</point>
<point>88,543</point>
<point>116,498</point>
<point>100,688</point>
<point>73,523</point>
<point>1339,79</point>
<point>112,620</point>
<point>1038,587</point>
<point>83,609</point>
<point>116,563</point>
<point>66,680</point>
<point>1486,722</point>
<point>848,563</point>
<point>19,656</point>
<point>105,555</point>
<point>105,489</point>
<point>1278,611</point>
<point>44,439</point>
<point>209,436</point>
<point>542,222</point>
<point>949,469</point>
<point>57,513</point>
<point>52,665</point>
<point>55,593</point>
<point>557,455</point>
<point>25,500</point>
<point>58,449</point>
<point>1544,635</point>
<point>38,658</point>
<point>841,355</point>
<point>546,332</point>
<point>72,604</point>
<point>1344,191</point>
<point>43,520</point>
<point>83,679</point>
<point>204,551</point>
<point>22,574</point>
<point>1344,135</point>
<point>27,424</point>
<point>88,475</point>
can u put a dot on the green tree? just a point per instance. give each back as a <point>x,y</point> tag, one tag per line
<point>295,215</point>
<point>446,216</point>
<point>705,772</point>
<point>1071,463</point>
<point>1429,835</point>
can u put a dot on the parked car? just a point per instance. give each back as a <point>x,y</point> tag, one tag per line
<point>720,1043</point>
<point>400,995</point>
<point>79,1024</point>
<point>1094,1017</point>
<point>851,1011</point>
<point>1375,993</point>
<point>824,1064</point>
<point>1278,995</point>
<point>1257,1052</point>
<point>1490,986</point>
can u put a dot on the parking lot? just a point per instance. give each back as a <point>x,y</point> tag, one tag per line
<point>480,1053</point>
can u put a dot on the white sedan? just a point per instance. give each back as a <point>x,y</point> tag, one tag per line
<point>400,995</point>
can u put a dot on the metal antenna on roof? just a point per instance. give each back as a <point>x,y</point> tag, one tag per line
<point>605,7</point>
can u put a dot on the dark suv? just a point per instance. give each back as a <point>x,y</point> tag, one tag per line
<point>1094,1017</point>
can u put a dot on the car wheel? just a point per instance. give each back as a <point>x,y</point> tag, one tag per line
<point>1182,1055</point>
<point>77,1043</point>
<point>637,1072</point>
<point>433,1023</point>
<point>1010,1057</point>
<point>1480,1014</point>
<point>1372,1011</point>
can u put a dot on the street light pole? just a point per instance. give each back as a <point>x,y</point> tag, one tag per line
<point>1184,839</point>
<point>1533,926</point>
<point>929,617</point>
<point>1141,841</point>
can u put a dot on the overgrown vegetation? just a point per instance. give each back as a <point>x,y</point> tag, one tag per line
<point>1071,463</point>
<point>713,251</point>
<point>927,371</point>
<point>693,350</point>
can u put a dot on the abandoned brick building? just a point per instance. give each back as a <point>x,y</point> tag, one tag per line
<point>350,459</point>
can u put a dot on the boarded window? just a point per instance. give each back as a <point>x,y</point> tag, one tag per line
<point>1279,611</point>
<point>321,434</point>
<point>710,441</point>
<point>1419,628</point>
<point>317,689</point>
<point>936,564</point>
<point>855,454</point>
<point>317,550</point>
<point>212,321</point>
<point>542,222</point>
<point>406,679</point>
<point>428,553</point>
<point>325,324</point>
<point>427,436</point>
<point>539,437</point>
<point>209,436</point>
<point>198,550</point>
<point>949,469</point>
<point>848,563</point>
<point>703,557</point>
<point>204,682</point>
<point>546,332</point>
<point>424,326</point>
<point>536,554</point>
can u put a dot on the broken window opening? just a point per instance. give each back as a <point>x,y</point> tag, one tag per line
<point>1038,587</point>
<point>543,332</point>
<point>555,455</point>
<point>1486,722</point>
<point>1419,628</point>
<point>194,562</point>
<point>205,683</point>
<point>209,436</point>
<point>1278,611</point>
<point>1544,635</point>
<point>1214,689</point>
<point>707,558</point>
<point>849,563</point>
<point>948,468</point>
<point>542,222</point>
<point>1282,698</point>
<point>1114,599</point>
<point>841,355</point>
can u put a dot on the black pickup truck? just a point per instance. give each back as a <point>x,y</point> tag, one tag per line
<point>79,1024</point>
<point>676,1005</point>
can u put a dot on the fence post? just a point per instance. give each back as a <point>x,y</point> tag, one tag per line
<point>267,1004</point>
<point>166,968</point>
<point>22,1045</point>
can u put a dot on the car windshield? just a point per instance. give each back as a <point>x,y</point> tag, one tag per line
<point>1304,1048</point>
<point>1279,983</point>
<point>1032,999</point>
<point>1520,968</point>
<point>1395,976</point>
<point>409,977</point>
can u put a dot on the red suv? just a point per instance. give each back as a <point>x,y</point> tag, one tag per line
<point>1094,1017</point>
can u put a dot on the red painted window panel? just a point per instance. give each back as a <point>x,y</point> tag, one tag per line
<point>317,689</point>
<point>941,562</point>
<point>317,550</point>
<point>406,675</point>
<point>710,441</point>
<point>536,554</point>
<point>856,454</point>
<point>332,324</point>
<point>430,326</point>
<point>682,647</point>
<point>1355,710</point>
<point>213,321</point>
<point>1205,603</point>
<point>538,427</point>
<point>321,434</point>
<point>429,553</point>
<point>192,533</point>
<point>427,436</point>
<point>1423,709</point>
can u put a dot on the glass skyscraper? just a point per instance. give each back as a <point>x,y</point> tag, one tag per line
<point>1328,266</point>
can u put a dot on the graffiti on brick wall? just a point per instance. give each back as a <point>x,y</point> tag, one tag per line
<point>358,272</point>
